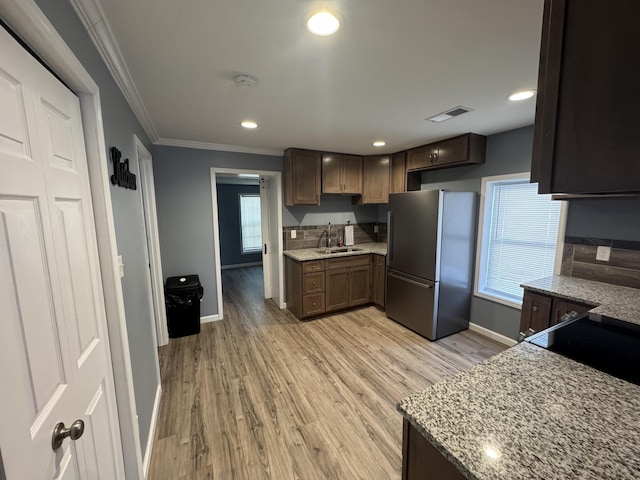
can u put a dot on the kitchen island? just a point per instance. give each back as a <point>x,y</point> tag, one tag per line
<point>529,413</point>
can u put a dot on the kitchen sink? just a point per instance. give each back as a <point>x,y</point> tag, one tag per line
<point>329,251</point>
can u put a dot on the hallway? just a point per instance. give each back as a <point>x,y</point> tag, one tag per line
<point>261,395</point>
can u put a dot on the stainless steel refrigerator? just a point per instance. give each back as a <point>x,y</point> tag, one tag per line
<point>430,260</point>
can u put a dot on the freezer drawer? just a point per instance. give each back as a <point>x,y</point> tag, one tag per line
<point>411,303</point>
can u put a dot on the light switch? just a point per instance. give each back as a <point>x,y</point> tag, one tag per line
<point>293,234</point>
<point>375,229</point>
<point>603,254</point>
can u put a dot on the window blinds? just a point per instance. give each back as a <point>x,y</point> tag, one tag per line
<point>522,239</point>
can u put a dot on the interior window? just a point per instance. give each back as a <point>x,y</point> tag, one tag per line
<point>250,223</point>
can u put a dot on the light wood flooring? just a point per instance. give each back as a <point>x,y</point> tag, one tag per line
<point>261,395</point>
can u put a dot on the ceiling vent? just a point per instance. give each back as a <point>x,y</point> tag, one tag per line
<point>454,112</point>
<point>244,80</point>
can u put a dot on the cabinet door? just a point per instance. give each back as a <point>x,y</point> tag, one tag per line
<point>586,128</point>
<point>398,173</point>
<point>376,179</point>
<point>451,151</point>
<point>305,177</point>
<point>379,277</point>
<point>337,289</point>
<point>562,307</point>
<point>331,173</point>
<point>359,285</point>
<point>420,158</point>
<point>352,174</point>
<point>536,312</point>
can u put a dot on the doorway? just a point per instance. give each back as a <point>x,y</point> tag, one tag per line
<point>270,191</point>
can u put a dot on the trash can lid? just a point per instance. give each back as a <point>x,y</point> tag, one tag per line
<point>183,282</point>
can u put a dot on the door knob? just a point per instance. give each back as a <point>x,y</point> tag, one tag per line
<point>75,431</point>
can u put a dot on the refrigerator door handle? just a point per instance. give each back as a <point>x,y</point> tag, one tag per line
<point>390,237</point>
<point>408,280</point>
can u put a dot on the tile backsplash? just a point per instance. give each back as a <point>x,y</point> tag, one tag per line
<point>623,267</point>
<point>315,236</point>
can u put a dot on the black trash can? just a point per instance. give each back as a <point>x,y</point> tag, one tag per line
<point>182,297</point>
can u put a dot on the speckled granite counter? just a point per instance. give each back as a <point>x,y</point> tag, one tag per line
<point>541,415</point>
<point>306,254</point>
<point>614,301</point>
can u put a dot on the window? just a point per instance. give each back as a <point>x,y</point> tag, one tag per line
<point>517,237</point>
<point>250,223</point>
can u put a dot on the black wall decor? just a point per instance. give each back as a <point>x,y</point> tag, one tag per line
<point>121,174</point>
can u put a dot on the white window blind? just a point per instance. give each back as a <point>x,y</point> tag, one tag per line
<point>518,237</point>
<point>250,223</point>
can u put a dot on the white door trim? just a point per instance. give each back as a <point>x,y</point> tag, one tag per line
<point>216,230</point>
<point>28,21</point>
<point>145,164</point>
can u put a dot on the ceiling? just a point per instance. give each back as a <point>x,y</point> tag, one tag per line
<point>390,66</point>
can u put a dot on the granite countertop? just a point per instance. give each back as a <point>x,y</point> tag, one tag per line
<point>538,415</point>
<point>305,254</point>
<point>614,301</point>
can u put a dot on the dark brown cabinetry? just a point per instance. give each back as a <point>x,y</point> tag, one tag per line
<point>398,181</point>
<point>420,459</point>
<point>375,179</point>
<point>301,169</point>
<point>541,311</point>
<point>465,149</point>
<point>341,174</point>
<point>305,287</point>
<point>586,127</point>
<point>347,282</point>
<point>378,282</point>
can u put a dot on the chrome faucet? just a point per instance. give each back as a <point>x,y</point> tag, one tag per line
<point>329,236</point>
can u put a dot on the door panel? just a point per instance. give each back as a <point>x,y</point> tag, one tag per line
<point>413,233</point>
<point>337,289</point>
<point>411,304</point>
<point>54,344</point>
<point>332,173</point>
<point>359,286</point>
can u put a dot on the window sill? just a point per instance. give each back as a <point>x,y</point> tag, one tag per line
<point>494,299</point>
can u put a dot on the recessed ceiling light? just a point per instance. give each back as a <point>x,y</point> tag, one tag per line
<point>521,95</point>
<point>249,124</point>
<point>379,143</point>
<point>323,23</point>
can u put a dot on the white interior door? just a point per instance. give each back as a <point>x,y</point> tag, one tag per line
<point>267,266</point>
<point>55,364</point>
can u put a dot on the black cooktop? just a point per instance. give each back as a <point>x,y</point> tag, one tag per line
<point>604,343</point>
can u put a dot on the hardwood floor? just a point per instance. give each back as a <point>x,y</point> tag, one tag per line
<point>261,395</point>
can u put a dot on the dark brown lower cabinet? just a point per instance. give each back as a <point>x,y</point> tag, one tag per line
<point>348,282</point>
<point>541,311</point>
<point>378,279</point>
<point>420,459</point>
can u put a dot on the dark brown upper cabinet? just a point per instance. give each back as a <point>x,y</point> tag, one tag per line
<point>465,149</point>
<point>587,120</point>
<point>375,180</point>
<point>341,174</point>
<point>398,181</point>
<point>301,172</point>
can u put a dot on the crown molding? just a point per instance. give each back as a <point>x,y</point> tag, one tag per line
<point>173,142</point>
<point>95,22</point>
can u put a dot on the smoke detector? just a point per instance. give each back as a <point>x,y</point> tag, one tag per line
<point>244,81</point>
<point>449,114</point>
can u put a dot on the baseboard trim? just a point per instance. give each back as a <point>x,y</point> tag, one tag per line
<point>240,265</point>
<point>485,332</point>
<point>210,318</point>
<point>152,432</point>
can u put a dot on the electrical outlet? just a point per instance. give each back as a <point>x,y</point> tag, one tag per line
<point>603,254</point>
<point>293,234</point>
<point>375,229</point>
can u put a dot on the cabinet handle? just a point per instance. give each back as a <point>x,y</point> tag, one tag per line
<point>313,283</point>
<point>535,309</point>
<point>314,304</point>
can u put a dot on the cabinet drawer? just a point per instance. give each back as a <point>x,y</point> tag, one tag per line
<point>312,304</point>
<point>312,283</point>
<point>313,266</point>
<point>346,262</point>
